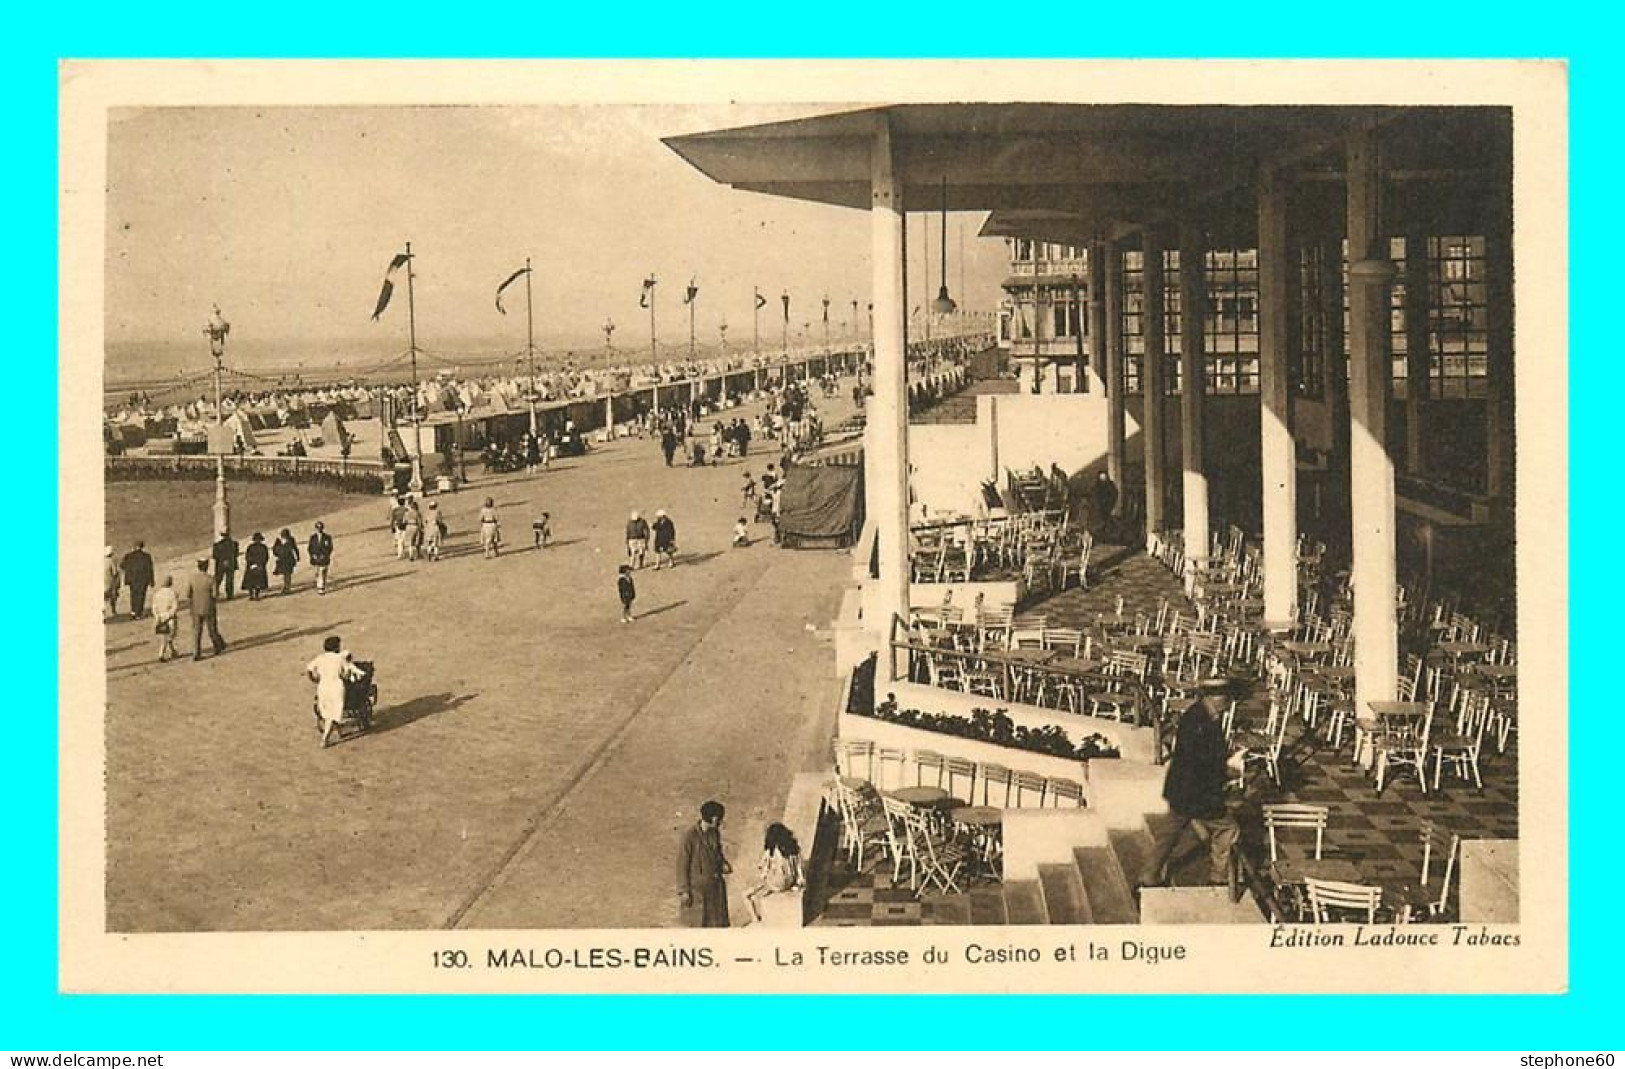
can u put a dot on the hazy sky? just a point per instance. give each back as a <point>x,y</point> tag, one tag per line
<point>288,217</point>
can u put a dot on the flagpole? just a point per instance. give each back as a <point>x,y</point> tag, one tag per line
<point>692,301</point>
<point>654,346</point>
<point>756,323</point>
<point>530,347</point>
<point>416,484</point>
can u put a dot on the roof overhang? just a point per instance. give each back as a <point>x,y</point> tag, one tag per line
<point>1076,173</point>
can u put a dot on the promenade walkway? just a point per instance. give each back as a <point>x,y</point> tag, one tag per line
<point>534,759</point>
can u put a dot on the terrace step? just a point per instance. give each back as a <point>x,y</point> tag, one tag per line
<point>1133,851</point>
<point>1198,905</point>
<point>1064,899</point>
<point>1110,891</point>
<point>950,909</point>
<point>1024,902</point>
<point>987,906</point>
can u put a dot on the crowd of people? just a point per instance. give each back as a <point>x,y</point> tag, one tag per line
<point>448,389</point>
<point>213,581</point>
<point>419,531</point>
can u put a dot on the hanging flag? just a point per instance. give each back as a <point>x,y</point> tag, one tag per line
<point>826,309</point>
<point>389,286</point>
<point>760,300</point>
<point>648,288</point>
<point>786,300</point>
<point>693,292</point>
<point>510,280</point>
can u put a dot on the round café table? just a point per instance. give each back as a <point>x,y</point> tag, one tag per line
<point>985,824</point>
<point>923,797</point>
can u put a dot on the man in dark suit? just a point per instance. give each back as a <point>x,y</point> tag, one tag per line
<point>701,871</point>
<point>225,565</point>
<point>1194,788</point>
<point>1102,500</point>
<point>320,554</point>
<point>137,569</point>
<point>201,589</point>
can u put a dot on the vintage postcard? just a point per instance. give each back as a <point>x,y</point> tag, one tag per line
<point>814,526</point>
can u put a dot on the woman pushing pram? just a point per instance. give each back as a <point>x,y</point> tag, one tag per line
<point>345,692</point>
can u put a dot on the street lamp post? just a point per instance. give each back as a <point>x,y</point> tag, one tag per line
<point>217,329</point>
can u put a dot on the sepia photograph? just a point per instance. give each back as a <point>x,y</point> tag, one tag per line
<point>611,525</point>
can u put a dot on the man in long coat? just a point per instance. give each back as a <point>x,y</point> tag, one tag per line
<point>702,889</point>
<point>137,569</point>
<point>1194,788</point>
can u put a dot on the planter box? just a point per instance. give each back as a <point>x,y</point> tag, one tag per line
<point>897,736</point>
<point>1135,744</point>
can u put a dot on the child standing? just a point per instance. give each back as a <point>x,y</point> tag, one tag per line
<point>749,497</point>
<point>628,592</point>
<point>542,531</point>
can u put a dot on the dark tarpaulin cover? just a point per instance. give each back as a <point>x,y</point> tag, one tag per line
<point>823,506</point>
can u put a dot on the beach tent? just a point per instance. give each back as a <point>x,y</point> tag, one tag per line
<point>333,429</point>
<point>822,507</point>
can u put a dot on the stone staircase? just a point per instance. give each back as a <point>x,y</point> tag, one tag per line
<point>1080,866</point>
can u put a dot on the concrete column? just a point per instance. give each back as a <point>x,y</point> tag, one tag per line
<point>993,438</point>
<point>1277,450</point>
<point>1152,376</point>
<point>1193,389</point>
<point>887,482</point>
<point>1078,384</point>
<point>1337,365</point>
<point>1499,407</point>
<point>1116,415</point>
<point>1097,314</point>
<point>1417,362</point>
<point>1376,624</point>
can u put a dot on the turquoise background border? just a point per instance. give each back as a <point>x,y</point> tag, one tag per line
<point>32,1016</point>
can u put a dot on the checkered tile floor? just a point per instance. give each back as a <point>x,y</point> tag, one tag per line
<point>1377,833</point>
<point>868,900</point>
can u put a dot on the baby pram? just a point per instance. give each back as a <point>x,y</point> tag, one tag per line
<point>360,699</point>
